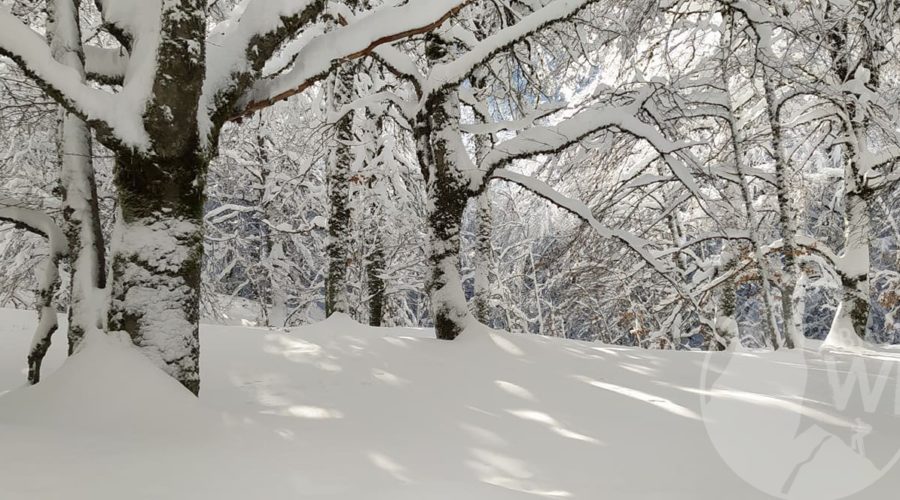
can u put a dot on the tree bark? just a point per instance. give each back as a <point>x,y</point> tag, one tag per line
<point>737,149</point>
<point>77,186</point>
<point>156,259</point>
<point>438,143</point>
<point>787,219</point>
<point>375,266</point>
<point>855,261</point>
<point>338,177</point>
<point>483,262</point>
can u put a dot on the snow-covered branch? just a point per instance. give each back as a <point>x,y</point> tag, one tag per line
<point>355,40</point>
<point>550,139</point>
<point>583,212</point>
<point>32,53</point>
<point>452,73</point>
<point>105,65</point>
<point>38,222</point>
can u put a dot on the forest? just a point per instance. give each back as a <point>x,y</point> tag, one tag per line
<point>683,183</point>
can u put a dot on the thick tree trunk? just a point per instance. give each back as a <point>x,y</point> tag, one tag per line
<point>448,302</point>
<point>438,146</point>
<point>338,176</point>
<point>156,260</point>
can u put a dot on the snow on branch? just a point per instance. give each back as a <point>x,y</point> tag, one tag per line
<point>551,139</point>
<point>36,222</point>
<point>105,65</point>
<point>32,53</point>
<point>357,39</point>
<point>582,211</point>
<point>452,73</point>
<point>511,126</point>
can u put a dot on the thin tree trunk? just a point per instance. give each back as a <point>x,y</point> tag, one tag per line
<point>78,187</point>
<point>737,147</point>
<point>46,313</point>
<point>787,219</point>
<point>338,178</point>
<point>81,215</point>
<point>375,282</point>
<point>855,262</point>
<point>853,309</point>
<point>481,300</point>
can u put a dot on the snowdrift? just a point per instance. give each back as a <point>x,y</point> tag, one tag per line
<point>342,411</point>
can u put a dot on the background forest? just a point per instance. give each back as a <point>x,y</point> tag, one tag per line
<point>758,182</point>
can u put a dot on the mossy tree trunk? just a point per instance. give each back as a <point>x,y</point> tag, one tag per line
<point>338,177</point>
<point>158,241</point>
<point>438,145</point>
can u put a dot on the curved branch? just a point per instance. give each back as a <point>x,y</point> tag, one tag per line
<point>353,41</point>
<point>40,223</point>
<point>64,84</point>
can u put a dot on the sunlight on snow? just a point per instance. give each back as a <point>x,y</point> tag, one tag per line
<point>506,345</point>
<point>388,465</point>
<point>310,412</point>
<point>537,416</point>
<point>509,473</point>
<point>657,401</point>
<point>389,378</point>
<point>515,390</point>
<point>483,435</point>
<point>773,402</point>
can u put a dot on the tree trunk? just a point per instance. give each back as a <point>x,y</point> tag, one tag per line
<point>854,266</point>
<point>446,206</point>
<point>46,314</point>
<point>786,217</point>
<point>77,186</point>
<point>483,263</point>
<point>855,262</point>
<point>737,149</point>
<point>157,251</point>
<point>81,215</point>
<point>438,146</point>
<point>338,177</point>
<point>41,224</point>
<point>375,282</point>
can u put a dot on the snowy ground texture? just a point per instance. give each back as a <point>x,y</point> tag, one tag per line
<point>342,411</point>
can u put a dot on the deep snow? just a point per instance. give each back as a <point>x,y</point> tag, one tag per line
<point>342,411</point>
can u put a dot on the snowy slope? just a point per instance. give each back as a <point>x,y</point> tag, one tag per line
<point>342,411</point>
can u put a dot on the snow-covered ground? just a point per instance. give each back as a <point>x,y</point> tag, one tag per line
<point>342,411</point>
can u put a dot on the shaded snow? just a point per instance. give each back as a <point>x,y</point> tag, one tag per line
<point>342,411</point>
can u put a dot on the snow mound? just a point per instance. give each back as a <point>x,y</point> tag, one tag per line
<point>107,386</point>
